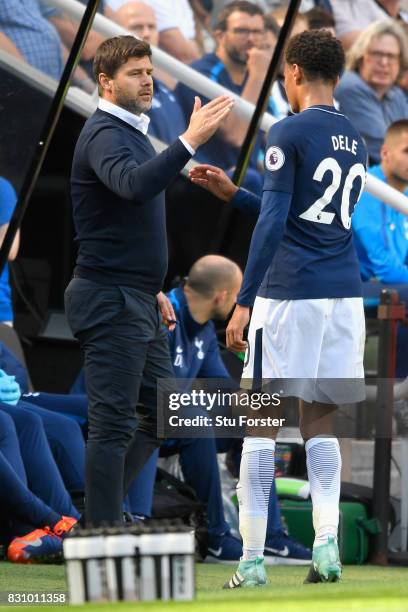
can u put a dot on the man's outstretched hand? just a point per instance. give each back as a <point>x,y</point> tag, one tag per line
<point>205,120</point>
<point>235,329</point>
<point>215,180</point>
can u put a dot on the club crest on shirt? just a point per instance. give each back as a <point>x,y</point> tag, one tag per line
<point>199,344</point>
<point>274,158</point>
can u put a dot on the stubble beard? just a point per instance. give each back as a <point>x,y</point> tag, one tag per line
<point>132,104</point>
<point>240,58</point>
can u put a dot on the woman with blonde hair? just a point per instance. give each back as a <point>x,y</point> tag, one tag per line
<point>368,92</point>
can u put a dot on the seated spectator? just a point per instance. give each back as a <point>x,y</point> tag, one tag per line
<point>31,526</point>
<point>8,200</point>
<point>368,93</point>
<point>175,25</point>
<point>239,64</point>
<point>30,30</point>
<point>319,18</point>
<point>353,16</point>
<point>403,80</point>
<point>381,233</point>
<point>28,27</point>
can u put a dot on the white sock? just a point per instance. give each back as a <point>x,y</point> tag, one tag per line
<point>253,490</point>
<point>323,462</point>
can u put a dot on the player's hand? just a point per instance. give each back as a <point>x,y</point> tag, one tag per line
<point>167,310</point>
<point>235,329</point>
<point>215,180</point>
<point>205,120</point>
<point>258,62</point>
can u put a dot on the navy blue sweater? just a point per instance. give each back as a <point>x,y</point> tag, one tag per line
<point>117,189</point>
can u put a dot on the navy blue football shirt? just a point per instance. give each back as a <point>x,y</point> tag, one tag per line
<point>302,246</point>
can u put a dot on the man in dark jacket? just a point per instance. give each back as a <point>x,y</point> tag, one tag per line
<point>112,305</point>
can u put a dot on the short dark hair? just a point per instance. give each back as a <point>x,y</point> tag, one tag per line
<point>318,18</point>
<point>238,6</point>
<point>318,53</point>
<point>116,51</point>
<point>396,128</point>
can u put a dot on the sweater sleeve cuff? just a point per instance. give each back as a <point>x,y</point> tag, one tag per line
<point>188,147</point>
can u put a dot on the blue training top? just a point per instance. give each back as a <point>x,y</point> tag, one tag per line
<point>302,246</point>
<point>381,238</point>
<point>8,200</point>
<point>193,346</point>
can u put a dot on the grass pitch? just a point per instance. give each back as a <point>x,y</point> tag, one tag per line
<point>362,588</point>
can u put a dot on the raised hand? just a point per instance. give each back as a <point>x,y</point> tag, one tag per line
<point>205,120</point>
<point>215,180</point>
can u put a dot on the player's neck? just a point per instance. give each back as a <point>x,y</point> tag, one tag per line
<point>198,309</point>
<point>318,96</point>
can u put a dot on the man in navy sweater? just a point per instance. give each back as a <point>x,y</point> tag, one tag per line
<point>113,303</point>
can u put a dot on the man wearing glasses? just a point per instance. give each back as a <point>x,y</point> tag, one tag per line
<point>368,93</point>
<point>239,63</point>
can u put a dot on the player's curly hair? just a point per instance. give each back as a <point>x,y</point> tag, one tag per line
<point>318,53</point>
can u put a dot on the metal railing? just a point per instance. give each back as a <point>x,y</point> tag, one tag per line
<point>209,89</point>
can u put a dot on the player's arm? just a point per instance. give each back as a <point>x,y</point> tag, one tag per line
<point>370,231</point>
<point>219,184</point>
<point>280,166</point>
<point>265,240</point>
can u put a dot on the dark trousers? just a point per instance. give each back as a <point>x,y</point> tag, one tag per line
<point>24,456</point>
<point>64,437</point>
<point>123,341</point>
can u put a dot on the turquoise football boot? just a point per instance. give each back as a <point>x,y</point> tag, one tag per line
<point>326,566</point>
<point>249,574</point>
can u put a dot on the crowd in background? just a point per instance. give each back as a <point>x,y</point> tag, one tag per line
<point>373,91</point>
<point>231,44</point>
